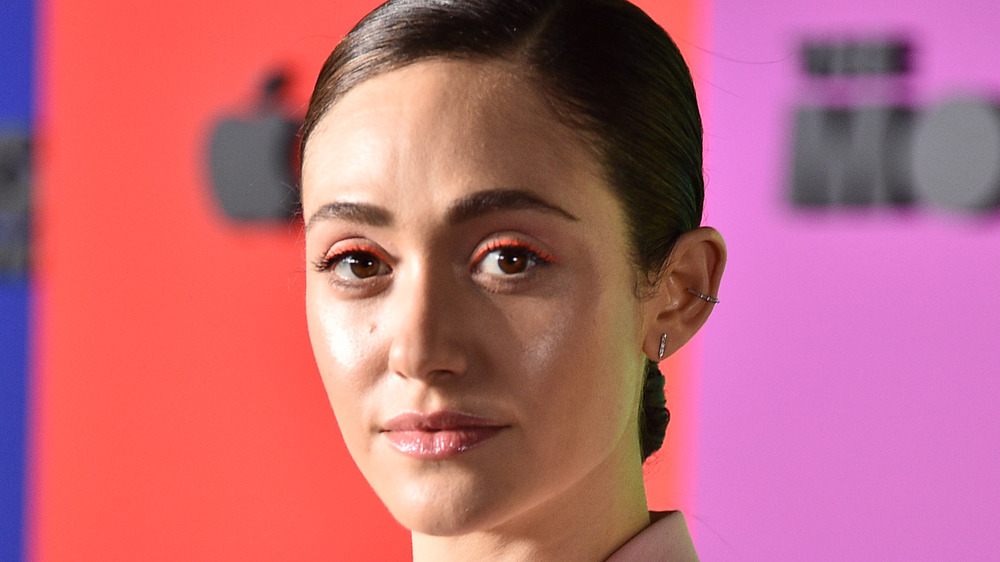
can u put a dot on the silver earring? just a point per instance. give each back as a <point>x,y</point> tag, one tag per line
<point>663,345</point>
<point>704,297</point>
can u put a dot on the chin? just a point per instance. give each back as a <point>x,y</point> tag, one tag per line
<point>449,524</point>
<point>450,510</point>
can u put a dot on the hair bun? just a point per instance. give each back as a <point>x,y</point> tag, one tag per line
<point>653,416</point>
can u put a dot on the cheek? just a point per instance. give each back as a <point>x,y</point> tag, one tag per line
<point>334,339</point>
<point>579,355</point>
<point>603,389</point>
<point>548,342</point>
<point>340,334</point>
<point>344,348</point>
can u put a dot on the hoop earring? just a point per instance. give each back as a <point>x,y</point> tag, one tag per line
<point>663,345</point>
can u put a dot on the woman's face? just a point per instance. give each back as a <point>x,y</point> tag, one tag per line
<point>469,296</point>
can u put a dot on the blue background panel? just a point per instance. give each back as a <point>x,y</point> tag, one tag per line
<point>14,299</point>
<point>17,54</point>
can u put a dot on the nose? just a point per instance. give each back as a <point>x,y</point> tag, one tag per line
<point>429,330</point>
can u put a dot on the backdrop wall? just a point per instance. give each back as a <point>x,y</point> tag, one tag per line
<point>177,412</point>
<point>849,382</point>
<point>839,405</point>
<point>17,35</point>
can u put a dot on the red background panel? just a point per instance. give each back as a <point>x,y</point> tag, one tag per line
<point>177,409</point>
<point>671,480</point>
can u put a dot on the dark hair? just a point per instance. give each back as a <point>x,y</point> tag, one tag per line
<point>605,67</point>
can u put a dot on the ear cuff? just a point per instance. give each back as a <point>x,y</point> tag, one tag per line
<point>704,297</point>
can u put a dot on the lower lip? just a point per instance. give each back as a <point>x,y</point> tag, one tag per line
<point>442,444</point>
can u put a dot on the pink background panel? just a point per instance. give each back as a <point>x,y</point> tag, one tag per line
<point>850,375</point>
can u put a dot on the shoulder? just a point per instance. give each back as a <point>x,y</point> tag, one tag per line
<point>665,539</point>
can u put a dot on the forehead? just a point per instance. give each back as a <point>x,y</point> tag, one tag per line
<point>443,121</point>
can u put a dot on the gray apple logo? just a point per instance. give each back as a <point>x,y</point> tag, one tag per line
<point>251,159</point>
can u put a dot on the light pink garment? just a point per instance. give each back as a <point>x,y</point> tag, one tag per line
<point>666,539</point>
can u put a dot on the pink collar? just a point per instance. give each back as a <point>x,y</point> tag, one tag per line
<point>665,539</point>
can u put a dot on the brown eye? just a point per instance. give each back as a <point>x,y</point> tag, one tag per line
<point>512,261</point>
<point>508,261</point>
<point>359,265</point>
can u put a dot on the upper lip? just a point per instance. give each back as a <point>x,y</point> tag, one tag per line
<point>442,420</point>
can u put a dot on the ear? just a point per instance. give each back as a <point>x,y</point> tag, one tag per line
<point>696,263</point>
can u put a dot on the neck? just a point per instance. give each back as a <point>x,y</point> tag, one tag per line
<point>587,521</point>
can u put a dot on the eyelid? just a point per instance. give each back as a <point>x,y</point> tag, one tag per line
<point>342,249</point>
<point>355,247</point>
<point>502,243</point>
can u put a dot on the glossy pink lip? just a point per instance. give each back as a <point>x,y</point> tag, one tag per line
<point>438,435</point>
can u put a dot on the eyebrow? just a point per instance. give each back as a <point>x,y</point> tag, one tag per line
<point>467,208</point>
<point>361,213</point>
<point>484,202</point>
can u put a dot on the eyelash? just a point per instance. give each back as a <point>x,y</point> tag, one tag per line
<point>535,256</point>
<point>331,260</point>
